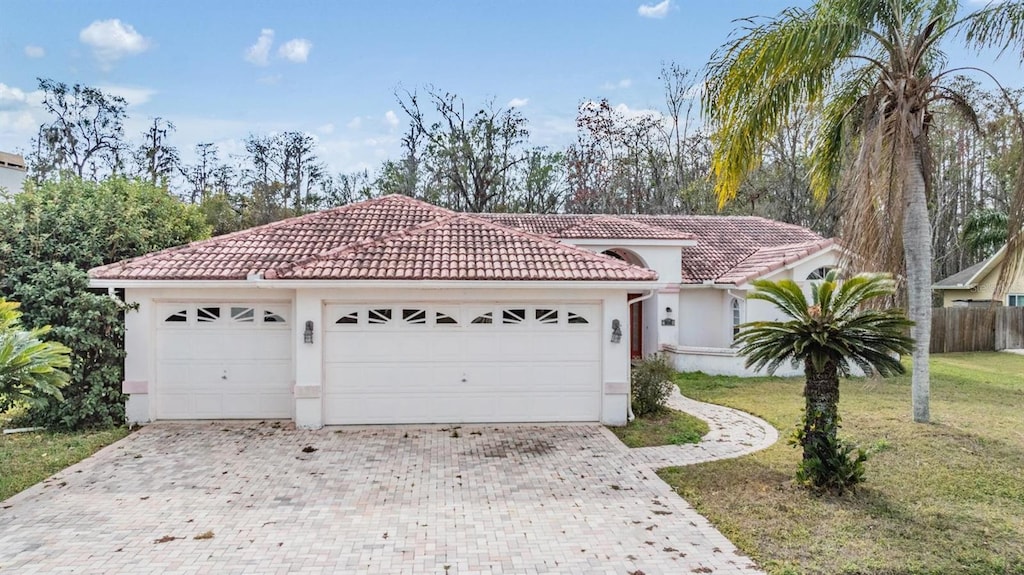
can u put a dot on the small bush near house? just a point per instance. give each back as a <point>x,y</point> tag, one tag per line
<point>651,384</point>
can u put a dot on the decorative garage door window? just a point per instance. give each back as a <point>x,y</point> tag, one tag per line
<point>224,315</point>
<point>466,316</point>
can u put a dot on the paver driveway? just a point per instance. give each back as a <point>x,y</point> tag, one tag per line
<point>428,499</point>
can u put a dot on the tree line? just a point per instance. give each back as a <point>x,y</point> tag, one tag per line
<point>480,159</point>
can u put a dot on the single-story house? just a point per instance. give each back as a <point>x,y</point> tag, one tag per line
<point>976,285</point>
<point>396,311</point>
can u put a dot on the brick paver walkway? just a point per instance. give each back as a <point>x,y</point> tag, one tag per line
<point>263,498</point>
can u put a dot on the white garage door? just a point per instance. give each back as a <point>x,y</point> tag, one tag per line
<point>433,363</point>
<point>223,361</point>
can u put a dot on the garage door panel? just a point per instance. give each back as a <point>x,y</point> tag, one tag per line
<point>463,408</point>
<point>235,365</point>
<point>526,365</point>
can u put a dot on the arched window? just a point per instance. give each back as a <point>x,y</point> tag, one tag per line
<point>736,307</point>
<point>820,273</point>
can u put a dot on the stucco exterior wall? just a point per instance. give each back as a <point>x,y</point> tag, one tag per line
<point>705,332</point>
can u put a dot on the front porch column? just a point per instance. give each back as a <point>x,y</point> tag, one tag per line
<point>308,391</point>
<point>615,371</point>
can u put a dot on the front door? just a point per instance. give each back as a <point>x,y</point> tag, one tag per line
<point>636,327</point>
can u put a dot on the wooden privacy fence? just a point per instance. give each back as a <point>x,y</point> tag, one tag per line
<point>977,329</point>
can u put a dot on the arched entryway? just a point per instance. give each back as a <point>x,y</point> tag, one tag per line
<point>636,310</point>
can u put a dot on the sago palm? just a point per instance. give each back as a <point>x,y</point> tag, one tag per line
<point>828,335</point>
<point>874,68</point>
<point>31,369</point>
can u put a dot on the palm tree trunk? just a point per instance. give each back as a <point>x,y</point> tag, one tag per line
<point>917,249</point>
<point>821,407</point>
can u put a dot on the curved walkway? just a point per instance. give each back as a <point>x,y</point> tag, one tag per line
<point>732,433</point>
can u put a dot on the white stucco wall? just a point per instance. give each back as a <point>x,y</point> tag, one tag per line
<point>308,305</point>
<point>705,320</point>
<point>11,179</point>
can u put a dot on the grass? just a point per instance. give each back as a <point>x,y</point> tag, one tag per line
<point>945,497</point>
<point>666,427</point>
<point>28,458</point>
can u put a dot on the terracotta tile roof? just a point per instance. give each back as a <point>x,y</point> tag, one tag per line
<point>389,237</point>
<point>723,242</point>
<point>767,260</point>
<point>461,247</point>
<point>576,226</point>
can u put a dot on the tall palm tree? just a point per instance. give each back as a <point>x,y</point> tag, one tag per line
<point>828,336</point>
<point>874,68</point>
<point>30,368</point>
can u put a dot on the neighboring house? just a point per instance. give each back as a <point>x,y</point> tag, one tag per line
<point>976,285</point>
<point>12,171</point>
<point>395,311</point>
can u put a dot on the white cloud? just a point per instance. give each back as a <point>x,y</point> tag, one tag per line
<point>630,113</point>
<point>33,51</point>
<point>21,114</point>
<point>391,119</point>
<point>518,102</point>
<point>11,97</point>
<point>112,40</point>
<point>135,96</point>
<point>296,50</point>
<point>355,123</point>
<point>659,10</point>
<point>326,129</point>
<point>259,52</point>
<point>270,79</point>
<point>621,84</point>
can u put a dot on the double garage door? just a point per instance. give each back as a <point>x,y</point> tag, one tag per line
<point>435,363</point>
<point>384,363</point>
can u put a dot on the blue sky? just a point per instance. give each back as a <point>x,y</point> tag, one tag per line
<point>220,70</point>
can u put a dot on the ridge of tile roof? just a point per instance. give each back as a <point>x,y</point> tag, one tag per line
<point>298,247</point>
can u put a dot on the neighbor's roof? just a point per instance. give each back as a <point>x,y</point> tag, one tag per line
<point>393,237</point>
<point>729,250</point>
<point>963,279</point>
<point>15,161</point>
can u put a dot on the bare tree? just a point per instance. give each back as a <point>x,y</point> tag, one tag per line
<point>471,154</point>
<point>155,159</point>
<point>85,136</point>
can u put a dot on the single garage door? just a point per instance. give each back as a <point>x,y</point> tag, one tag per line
<point>441,363</point>
<point>223,361</point>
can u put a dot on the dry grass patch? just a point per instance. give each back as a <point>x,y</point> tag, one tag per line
<point>947,497</point>
<point>28,458</point>
<point>664,427</point>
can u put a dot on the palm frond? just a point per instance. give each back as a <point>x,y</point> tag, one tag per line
<point>999,25</point>
<point>841,330</point>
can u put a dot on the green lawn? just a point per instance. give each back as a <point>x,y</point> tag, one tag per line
<point>946,497</point>
<point>28,458</point>
<point>666,427</point>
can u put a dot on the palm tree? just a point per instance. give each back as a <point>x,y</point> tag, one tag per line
<point>874,68</point>
<point>30,368</point>
<point>828,336</point>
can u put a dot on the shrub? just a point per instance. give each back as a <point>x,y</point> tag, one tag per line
<point>52,233</point>
<point>651,383</point>
<point>829,463</point>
